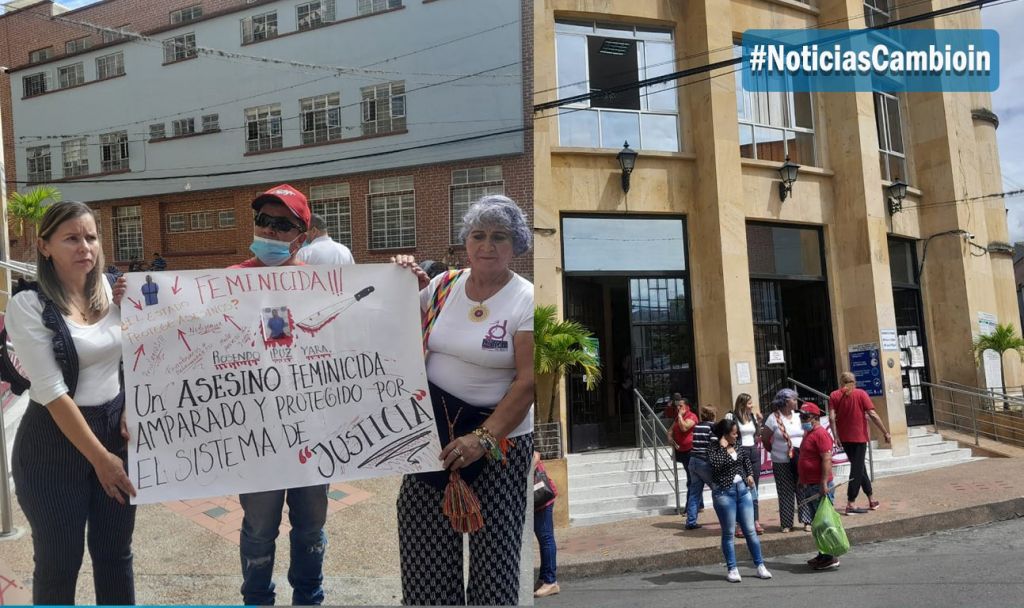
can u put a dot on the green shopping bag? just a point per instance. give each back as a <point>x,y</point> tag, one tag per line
<point>828,531</point>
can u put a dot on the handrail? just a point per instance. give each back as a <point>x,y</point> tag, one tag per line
<point>871,455</point>
<point>974,410</point>
<point>644,412</point>
<point>1000,396</point>
<point>24,268</point>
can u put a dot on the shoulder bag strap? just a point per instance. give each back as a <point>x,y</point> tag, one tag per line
<point>444,289</point>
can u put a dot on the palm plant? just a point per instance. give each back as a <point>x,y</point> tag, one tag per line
<point>560,346</point>
<point>1002,339</point>
<point>31,206</point>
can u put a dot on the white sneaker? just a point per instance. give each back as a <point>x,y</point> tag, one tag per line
<point>762,572</point>
<point>733,576</point>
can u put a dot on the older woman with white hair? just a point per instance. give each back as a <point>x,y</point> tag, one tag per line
<point>478,327</point>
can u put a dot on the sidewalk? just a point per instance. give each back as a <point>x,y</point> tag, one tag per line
<point>964,495</point>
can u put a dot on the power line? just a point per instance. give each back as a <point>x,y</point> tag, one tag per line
<point>739,60</point>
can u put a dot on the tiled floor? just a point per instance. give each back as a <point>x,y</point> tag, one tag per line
<point>223,515</point>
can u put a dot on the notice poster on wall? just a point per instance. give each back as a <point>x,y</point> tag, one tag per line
<point>890,341</point>
<point>993,364</point>
<point>864,363</point>
<point>986,323</point>
<point>776,356</point>
<point>257,379</point>
<point>742,372</point>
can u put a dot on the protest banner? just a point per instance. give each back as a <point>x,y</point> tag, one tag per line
<point>246,380</point>
<point>12,591</point>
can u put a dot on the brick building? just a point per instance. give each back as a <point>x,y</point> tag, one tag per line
<point>171,129</point>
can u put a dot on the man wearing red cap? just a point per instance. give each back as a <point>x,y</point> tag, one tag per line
<point>814,470</point>
<point>279,229</point>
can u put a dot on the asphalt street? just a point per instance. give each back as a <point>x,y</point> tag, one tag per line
<point>975,567</point>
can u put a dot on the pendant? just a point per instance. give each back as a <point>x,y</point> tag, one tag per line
<point>478,313</point>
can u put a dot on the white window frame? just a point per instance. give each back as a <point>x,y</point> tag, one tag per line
<point>180,48</point>
<point>369,7</point>
<point>177,222</point>
<point>183,126</point>
<point>311,15</point>
<point>211,123</point>
<point>383,108</point>
<point>201,221</point>
<point>109,36</point>
<point>128,243</point>
<point>40,54</point>
<point>263,128</point>
<point>40,164</point>
<point>333,203</point>
<point>71,75</point>
<point>320,118</point>
<point>886,148</point>
<point>77,45</point>
<point>259,27</point>
<point>226,219</point>
<point>158,131</point>
<point>391,199</point>
<point>75,157</point>
<point>114,151</point>
<point>469,185</point>
<point>186,14</point>
<point>877,12</point>
<point>103,68</point>
<point>30,84</point>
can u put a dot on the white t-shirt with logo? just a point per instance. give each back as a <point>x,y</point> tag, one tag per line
<point>476,361</point>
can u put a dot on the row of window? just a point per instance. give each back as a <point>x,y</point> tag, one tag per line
<point>107,66</point>
<point>75,157</point>
<point>391,206</point>
<point>594,57</point>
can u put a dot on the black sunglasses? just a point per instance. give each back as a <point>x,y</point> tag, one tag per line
<point>278,224</point>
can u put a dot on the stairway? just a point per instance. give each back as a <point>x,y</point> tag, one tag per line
<point>609,486</point>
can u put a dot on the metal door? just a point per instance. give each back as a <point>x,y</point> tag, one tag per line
<point>661,338</point>
<point>769,335</point>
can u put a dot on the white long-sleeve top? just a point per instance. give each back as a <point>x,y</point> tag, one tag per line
<point>98,347</point>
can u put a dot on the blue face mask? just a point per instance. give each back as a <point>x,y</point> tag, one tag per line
<point>270,252</point>
<point>806,426</point>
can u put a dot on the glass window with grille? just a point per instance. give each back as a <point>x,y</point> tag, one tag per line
<point>157,131</point>
<point>76,157</point>
<point>76,45</point>
<point>34,84</point>
<point>114,151</point>
<point>469,185</point>
<point>70,75</point>
<point>226,218</point>
<point>263,128</point>
<point>368,7</point>
<point>892,154</point>
<point>109,66</point>
<point>383,108</point>
<point>176,222</point>
<point>189,13</point>
<point>211,122</point>
<point>320,117</point>
<point>774,125</point>
<point>40,55</point>
<point>183,126</point>
<point>113,36</point>
<point>180,48</point>
<point>202,220</point>
<point>331,202</point>
<point>877,12</point>
<point>39,168</point>
<point>259,27</point>
<point>314,14</point>
<point>128,233</point>
<point>392,203</point>
<point>594,57</point>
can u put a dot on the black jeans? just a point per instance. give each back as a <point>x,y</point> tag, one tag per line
<point>64,503</point>
<point>858,471</point>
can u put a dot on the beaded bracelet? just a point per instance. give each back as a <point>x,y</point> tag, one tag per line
<point>491,446</point>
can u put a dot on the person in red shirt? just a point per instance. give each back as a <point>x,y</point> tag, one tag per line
<point>814,471</point>
<point>849,407</point>
<point>279,228</point>
<point>681,433</point>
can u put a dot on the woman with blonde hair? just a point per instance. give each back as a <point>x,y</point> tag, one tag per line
<point>69,453</point>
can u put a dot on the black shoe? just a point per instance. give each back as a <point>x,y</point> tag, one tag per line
<point>829,563</point>
<point>693,526</point>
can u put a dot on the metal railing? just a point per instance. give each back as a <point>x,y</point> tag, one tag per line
<point>651,434</point>
<point>29,270</point>
<point>823,398</point>
<point>980,412</point>
<point>6,512</point>
<point>547,439</point>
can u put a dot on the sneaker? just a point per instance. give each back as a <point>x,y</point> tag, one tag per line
<point>693,526</point>
<point>814,561</point>
<point>873,504</point>
<point>733,576</point>
<point>850,509</point>
<point>785,530</point>
<point>546,589</point>
<point>807,527</point>
<point>762,572</point>
<point>829,563</point>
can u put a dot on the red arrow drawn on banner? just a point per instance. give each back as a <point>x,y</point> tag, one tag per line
<point>137,305</point>
<point>181,335</point>
<point>141,350</point>
<point>232,321</point>
<point>175,289</point>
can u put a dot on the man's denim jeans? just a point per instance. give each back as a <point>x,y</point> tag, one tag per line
<point>307,513</point>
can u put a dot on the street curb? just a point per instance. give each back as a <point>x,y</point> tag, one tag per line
<point>797,541</point>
